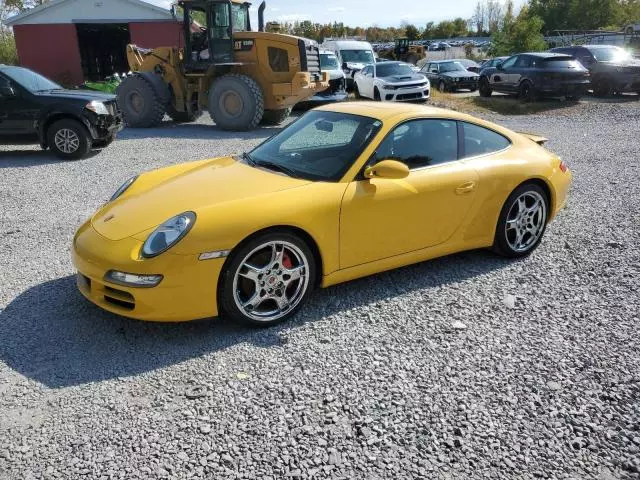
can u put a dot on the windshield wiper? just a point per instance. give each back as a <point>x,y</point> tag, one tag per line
<point>276,167</point>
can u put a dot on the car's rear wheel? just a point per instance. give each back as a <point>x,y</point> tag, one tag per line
<point>522,222</point>
<point>267,280</point>
<point>527,92</point>
<point>485,89</point>
<point>68,139</point>
<point>602,87</point>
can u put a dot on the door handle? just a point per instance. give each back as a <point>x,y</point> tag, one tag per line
<point>466,187</point>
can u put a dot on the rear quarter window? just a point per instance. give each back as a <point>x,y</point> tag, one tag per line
<point>482,141</point>
<point>560,63</point>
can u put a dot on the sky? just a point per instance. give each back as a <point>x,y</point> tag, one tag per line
<point>384,13</point>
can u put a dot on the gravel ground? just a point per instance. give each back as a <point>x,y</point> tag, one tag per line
<point>464,367</point>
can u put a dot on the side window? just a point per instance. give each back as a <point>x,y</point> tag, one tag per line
<point>523,62</point>
<point>420,143</point>
<point>510,62</point>
<point>481,141</point>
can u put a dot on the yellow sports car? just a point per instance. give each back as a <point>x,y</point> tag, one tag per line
<point>346,191</point>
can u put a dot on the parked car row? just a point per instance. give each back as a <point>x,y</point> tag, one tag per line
<point>563,71</point>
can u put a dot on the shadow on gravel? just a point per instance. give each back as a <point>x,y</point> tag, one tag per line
<point>52,335</point>
<point>195,131</point>
<point>32,158</point>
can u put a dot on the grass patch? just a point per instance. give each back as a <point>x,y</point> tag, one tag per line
<point>502,104</point>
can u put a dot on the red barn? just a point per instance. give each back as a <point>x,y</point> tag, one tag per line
<point>75,40</point>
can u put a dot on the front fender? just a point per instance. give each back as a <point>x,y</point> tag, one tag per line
<point>58,112</point>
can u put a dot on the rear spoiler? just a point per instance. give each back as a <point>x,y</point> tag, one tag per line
<point>536,138</point>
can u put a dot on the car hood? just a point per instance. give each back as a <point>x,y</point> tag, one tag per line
<point>465,74</point>
<point>161,194</point>
<point>335,74</point>
<point>87,95</point>
<point>404,78</point>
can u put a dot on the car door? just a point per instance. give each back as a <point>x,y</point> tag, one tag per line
<point>18,112</point>
<point>432,73</point>
<point>382,218</point>
<point>501,79</point>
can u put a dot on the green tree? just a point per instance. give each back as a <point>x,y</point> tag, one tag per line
<point>519,35</point>
<point>411,32</point>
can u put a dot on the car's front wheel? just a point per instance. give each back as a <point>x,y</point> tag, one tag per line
<point>522,221</point>
<point>442,87</point>
<point>267,280</point>
<point>68,139</point>
<point>485,89</point>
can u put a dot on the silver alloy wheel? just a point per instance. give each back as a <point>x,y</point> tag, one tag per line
<point>66,140</point>
<point>271,281</point>
<point>526,221</point>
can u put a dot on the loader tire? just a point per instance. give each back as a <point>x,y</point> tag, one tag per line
<point>140,104</point>
<point>275,117</point>
<point>236,102</point>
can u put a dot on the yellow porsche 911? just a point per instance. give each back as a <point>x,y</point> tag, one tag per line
<point>346,191</point>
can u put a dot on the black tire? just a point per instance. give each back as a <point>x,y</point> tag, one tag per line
<point>73,139</point>
<point>226,293</point>
<point>602,87</point>
<point>442,86</point>
<point>356,91</point>
<point>502,245</point>
<point>139,102</point>
<point>485,89</point>
<point>526,92</point>
<point>240,92</point>
<point>104,143</point>
<point>275,117</point>
<point>376,95</point>
<point>183,117</point>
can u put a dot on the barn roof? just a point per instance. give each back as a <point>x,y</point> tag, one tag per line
<point>90,11</point>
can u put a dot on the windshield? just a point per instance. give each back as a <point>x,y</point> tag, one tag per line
<point>357,56</point>
<point>383,70</point>
<point>613,54</point>
<point>32,81</point>
<point>328,61</point>
<point>451,67</point>
<point>319,146</point>
<point>240,17</point>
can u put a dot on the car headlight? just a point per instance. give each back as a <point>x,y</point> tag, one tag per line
<point>457,79</point>
<point>168,234</point>
<point>123,188</point>
<point>97,107</point>
<point>386,86</point>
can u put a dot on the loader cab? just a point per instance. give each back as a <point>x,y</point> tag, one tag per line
<point>402,46</point>
<point>209,26</point>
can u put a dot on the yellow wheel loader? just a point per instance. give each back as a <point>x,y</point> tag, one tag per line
<point>242,77</point>
<point>404,51</point>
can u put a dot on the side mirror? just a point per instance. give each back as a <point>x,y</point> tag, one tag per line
<point>7,92</point>
<point>391,169</point>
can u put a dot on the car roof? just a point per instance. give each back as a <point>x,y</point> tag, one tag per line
<point>354,44</point>
<point>324,51</point>
<point>597,47</point>
<point>445,61</point>
<point>388,110</point>
<point>545,54</point>
<point>395,62</point>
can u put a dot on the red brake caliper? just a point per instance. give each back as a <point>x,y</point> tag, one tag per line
<point>286,261</point>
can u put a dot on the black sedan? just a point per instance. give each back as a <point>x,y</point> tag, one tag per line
<point>533,75</point>
<point>450,76</point>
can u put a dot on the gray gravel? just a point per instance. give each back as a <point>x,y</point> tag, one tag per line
<point>464,367</point>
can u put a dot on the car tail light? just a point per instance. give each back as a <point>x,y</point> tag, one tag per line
<point>563,166</point>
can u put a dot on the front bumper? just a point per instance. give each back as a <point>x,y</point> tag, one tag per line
<point>406,94</point>
<point>465,85</point>
<point>187,291</point>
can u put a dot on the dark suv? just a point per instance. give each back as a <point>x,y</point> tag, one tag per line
<point>34,109</point>
<point>531,75</point>
<point>613,70</point>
